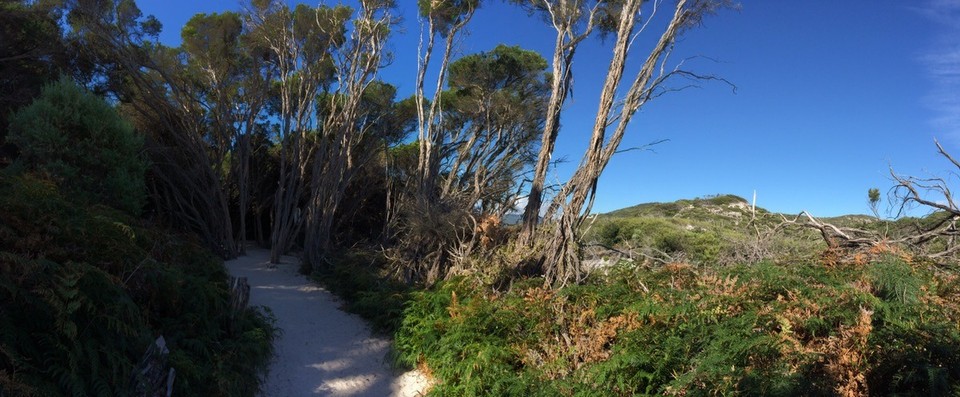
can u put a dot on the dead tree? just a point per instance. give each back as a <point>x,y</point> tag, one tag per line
<point>935,194</point>
<point>834,236</point>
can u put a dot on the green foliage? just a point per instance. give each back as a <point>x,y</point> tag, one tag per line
<point>27,27</point>
<point>446,14</point>
<point>84,290</point>
<point>440,328</point>
<point>213,39</point>
<point>725,199</point>
<point>894,280</point>
<point>359,278</point>
<point>680,239</point>
<point>889,327</point>
<point>873,198</point>
<point>81,142</point>
<point>503,67</point>
<point>709,231</point>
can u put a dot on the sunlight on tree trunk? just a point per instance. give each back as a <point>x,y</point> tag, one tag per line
<point>300,42</point>
<point>564,16</point>
<point>561,261</point>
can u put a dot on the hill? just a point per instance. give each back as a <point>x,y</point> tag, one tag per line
<point>720,229</point>
<point>736,204</point>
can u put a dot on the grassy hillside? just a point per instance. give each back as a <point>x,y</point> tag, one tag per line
<point>722,230</point>
<point>715,230</point>
<point>733,203</point>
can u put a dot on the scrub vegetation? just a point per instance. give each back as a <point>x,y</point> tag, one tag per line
<point>129,169</point>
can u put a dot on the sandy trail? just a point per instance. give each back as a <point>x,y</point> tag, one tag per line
<point>322,351</point>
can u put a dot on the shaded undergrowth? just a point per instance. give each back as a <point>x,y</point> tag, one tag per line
<point>84,289</point>
<point>363,280</point>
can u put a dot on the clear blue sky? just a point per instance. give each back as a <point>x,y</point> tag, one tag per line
<point>829,94</point>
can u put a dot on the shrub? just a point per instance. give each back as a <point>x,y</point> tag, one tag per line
<point>359,278</point>
<point>725,199</point>
<point>80,141</point>
<point>84,290</point>
<point>889,328</point>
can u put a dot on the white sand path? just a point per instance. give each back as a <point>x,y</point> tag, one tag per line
<point>322,350</point>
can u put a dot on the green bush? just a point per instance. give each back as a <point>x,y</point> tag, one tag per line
<point>84,290</point>
<point>665,236</point>
<point>80,141</point>
<point>887,328</point>
<point>358,277</point>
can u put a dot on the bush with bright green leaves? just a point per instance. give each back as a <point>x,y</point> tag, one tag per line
<point>77,139</point>
<point>888,327</point>
<point>84,290</point>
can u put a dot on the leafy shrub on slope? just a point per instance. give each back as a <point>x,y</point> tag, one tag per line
<point>885,327</point>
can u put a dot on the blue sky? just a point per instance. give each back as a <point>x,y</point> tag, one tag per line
<point>829,95</point>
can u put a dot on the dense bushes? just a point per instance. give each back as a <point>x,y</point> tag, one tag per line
<point>79,140</point>
<point>85,289</point>
<point>361,278</point>
<point>885,327</point>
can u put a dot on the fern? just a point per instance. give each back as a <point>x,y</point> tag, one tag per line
<point>83,290</point>
<point>765,329</point>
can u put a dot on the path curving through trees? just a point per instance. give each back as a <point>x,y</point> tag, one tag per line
<point>322,350</point>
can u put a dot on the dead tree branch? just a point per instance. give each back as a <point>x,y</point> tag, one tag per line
<point>834,236</point>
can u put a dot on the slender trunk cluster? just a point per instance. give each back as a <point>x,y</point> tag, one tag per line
<point>564,17</point>
<point>343,134</point>
<point>299,78</point>
<point>561,256</point>
<point>430,116</point>
<point>183,180</point>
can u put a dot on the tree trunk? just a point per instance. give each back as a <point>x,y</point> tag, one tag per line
<point>562,61</point>
<point>562,256</point>
<point>343,145</point>
<point>243,190</point>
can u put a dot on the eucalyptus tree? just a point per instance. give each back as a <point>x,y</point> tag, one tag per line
<point>232,82</point>
<point>618,103</point>
<point>148,80</point>
<point>352,117</point>
<point>495,108</point>
<point>210,44</point>
<point>493,111</point>
<point>446,19</point>
<point>378,184</point>
<point>301,43</point>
